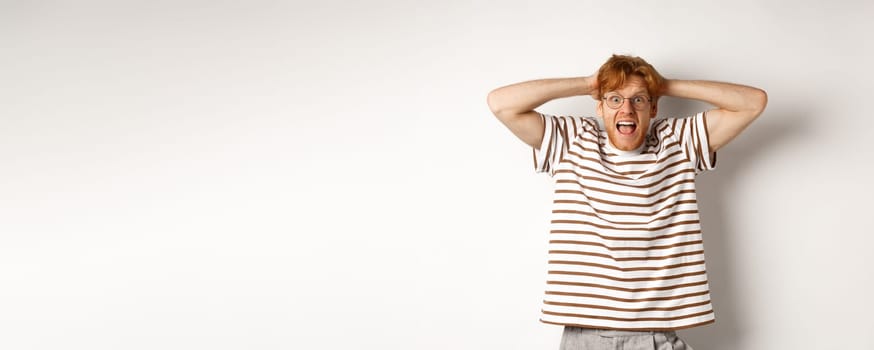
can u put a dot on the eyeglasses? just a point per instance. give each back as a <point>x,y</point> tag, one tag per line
<point>639,102</point>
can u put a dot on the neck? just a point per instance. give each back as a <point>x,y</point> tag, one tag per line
<point>620,152</point>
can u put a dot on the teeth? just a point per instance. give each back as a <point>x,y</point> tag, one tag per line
<point>625,123</point>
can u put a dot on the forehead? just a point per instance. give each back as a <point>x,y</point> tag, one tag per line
<point>633,85</point>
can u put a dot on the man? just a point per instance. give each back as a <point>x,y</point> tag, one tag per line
<point>626,260</point>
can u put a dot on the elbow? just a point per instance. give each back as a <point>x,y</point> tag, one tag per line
<point>494,102</point>
<point>504,105</point>
<point>760,101</point>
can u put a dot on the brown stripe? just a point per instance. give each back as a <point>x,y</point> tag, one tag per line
<point>640,319</point>
<point>650,248</point>
<point>600,160</point>
<point>619,279</point>
<point>672,144</point>
<point>625,269</point>
<point>592,127</point>
<point>685,143</point>
<point>568,201</point>
<point>630,194</point>
<point>664,125</point>
<point>570,134</point>
<point>700,145</point>
<point>608,256</point>
<point>647,229</point>
<point>573,130</point>
<point>534,155</point>
<point>620,174</point>
<point>564,137</point>
<point>578,176</point>
<point>693,136</point>
<point>712,156</point>
<point>608,297</point>
<point>640,205</point>
<point>668,130</point>
<point>547,159</point>
<point>614,238</point>
<point>631,290</point>
<point>675,194</point>
<point>663,217</point>
<point>591,133</point>
<point>579,143</point>
<point>644,309</point>
<point>656,329</point>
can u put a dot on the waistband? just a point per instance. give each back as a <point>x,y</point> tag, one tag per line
<point>613,333</point>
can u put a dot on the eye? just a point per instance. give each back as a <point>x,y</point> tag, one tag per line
<point>614,99</point>
<point>638,99</point>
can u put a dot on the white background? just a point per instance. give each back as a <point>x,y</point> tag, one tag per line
<point>327,175</point>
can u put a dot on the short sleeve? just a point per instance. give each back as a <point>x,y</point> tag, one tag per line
<point>558,133</point>
<point>695,142</point>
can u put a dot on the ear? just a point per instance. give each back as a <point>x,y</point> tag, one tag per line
<point>655,108</point>
<point>600,108</point>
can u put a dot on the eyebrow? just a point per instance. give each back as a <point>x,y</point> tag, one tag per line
<point>636,93</point>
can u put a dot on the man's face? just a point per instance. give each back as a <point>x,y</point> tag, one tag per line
<point>627,123</point>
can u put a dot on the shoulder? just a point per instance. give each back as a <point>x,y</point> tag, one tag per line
<point>571,125</point>
<point>674,127</point>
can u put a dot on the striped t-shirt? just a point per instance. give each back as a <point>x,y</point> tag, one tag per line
<point>625,243</point>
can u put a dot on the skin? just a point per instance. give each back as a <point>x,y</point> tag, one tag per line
<point>736,106</point>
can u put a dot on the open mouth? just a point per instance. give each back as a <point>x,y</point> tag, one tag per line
<point>626,127</point>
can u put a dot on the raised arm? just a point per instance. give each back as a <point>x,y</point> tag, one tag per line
<point>514,104</point>
<point>736,106</point>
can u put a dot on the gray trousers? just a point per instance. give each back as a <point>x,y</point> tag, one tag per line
<point>575,338</point>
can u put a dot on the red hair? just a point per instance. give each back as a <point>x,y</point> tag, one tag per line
<point>617,69</point>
